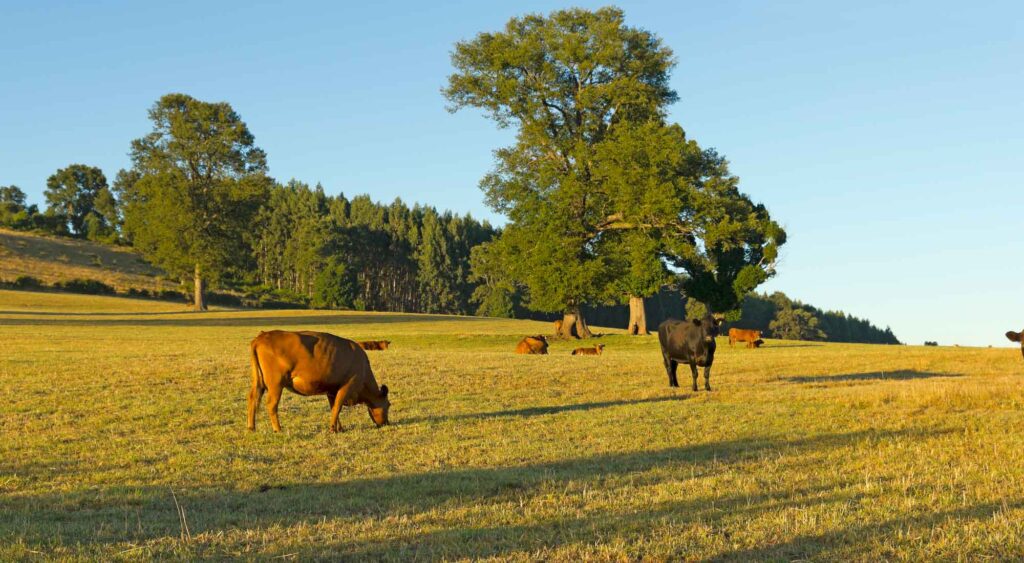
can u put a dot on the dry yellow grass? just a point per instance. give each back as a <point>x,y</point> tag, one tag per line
<point>122,436</point>
<point>55,259</point>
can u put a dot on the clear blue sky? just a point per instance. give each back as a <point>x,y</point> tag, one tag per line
<point>886,137</point>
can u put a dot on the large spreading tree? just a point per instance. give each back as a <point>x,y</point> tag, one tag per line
<point>198,179</point>
<point>565,81</point>
<point>606,201</point>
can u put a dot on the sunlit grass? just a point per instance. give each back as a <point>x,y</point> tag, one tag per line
<point>117,412</point>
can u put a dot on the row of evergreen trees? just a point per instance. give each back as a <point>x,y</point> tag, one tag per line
<point>341,253</point>
<point>308,247</point>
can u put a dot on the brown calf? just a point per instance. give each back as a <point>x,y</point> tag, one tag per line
<point>532,345</point>
<point>1017,337</point>
<point>313,363</point>
<point>374,344</point>
<point>751,337</point>
<point>595,351</point>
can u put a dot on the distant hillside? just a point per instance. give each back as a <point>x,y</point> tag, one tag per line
<point>52,259</point>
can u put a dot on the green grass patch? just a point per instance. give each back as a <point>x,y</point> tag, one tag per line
<point>123,436</point>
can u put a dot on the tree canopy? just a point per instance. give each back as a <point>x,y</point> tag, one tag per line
<point>605,200</point>
<point>80,202</point>
<point>200,180</point>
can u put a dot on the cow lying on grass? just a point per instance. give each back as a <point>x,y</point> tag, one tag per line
<point>374,344</point>
<point>532,345</point>
<point>751,337</point>
<point>689,342</point>
<point>595,351</point>
<point>1017,337</point>
<point>313,363</point>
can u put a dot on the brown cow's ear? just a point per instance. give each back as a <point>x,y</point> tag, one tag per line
<point>384,391</point>
<point>1013,336</point>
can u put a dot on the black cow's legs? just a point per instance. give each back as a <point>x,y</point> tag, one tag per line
<point>693,368</point>
<point>707,378</point>
<point>670,368</point>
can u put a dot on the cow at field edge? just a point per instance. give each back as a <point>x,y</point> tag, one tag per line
<point>1017,337</point>
<point>374,344</point>
<point>314,363</point>
<point>689,342</point>
<point>595,351</point>
<point>532,345</point>
<point>751,337</point>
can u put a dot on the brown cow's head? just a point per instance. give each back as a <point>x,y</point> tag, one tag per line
<point>379,407</point>
<point>384,344</point>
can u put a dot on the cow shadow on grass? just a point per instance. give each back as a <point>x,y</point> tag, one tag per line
<point>262,322</point>
<point>130,515</point>
<point>542,411</point>
<point>898,375</point>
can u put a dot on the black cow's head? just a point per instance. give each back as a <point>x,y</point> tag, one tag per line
<point>709,326</point>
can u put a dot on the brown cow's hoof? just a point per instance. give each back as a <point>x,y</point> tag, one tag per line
<point>694,387</point>
<point>707,387</point>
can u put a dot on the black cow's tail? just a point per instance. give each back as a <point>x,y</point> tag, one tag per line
<point>257,371</point>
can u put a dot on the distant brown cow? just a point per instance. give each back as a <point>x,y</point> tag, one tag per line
<point>595,351</point>
<point>751,337</point>
<point>1017,337</point>
<point>532,345</point>
<point>314,363</point>
<point>558,327</point>
<point>374,344</point>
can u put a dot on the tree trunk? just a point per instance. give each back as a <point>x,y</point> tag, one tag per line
<point>574,325</point>
<point>637,317</point>
<point>199,284</point>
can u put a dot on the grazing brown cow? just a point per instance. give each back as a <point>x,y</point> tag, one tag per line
<point>751,337</point>
<point>1017,337</point>
<point>532,345</point>
<point>558,327</point>
<point>314,363</point>
<point>374,344</point>
<point>595,351</point>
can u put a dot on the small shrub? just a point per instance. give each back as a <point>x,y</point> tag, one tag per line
<point>169,295</point>
<point>930,343</point>
<point>90,287</point>
<point>225,299</point>
<point>133,292</point>
<point>27,282</point>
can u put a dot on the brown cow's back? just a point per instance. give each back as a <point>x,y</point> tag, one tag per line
<point>532,345</point>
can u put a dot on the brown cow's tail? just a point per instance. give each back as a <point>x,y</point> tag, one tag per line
<point>257,371</point>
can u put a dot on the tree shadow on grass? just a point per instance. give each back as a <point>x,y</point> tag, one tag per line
<point>542,411</point>
<point>97,516</point>
<point>898,375</point>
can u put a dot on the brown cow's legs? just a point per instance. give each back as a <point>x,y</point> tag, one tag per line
<point>274,397</point>
<point>693,368</point>
<point>340,399</point>
<point>255,395</point>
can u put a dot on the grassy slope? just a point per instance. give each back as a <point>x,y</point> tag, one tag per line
<point>53,259</point>
<point>802,451</point>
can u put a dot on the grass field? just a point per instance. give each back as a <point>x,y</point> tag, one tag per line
<point>122,437</point>
<point>56,259</point>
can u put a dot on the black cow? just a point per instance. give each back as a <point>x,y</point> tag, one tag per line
<point>689,342</point>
